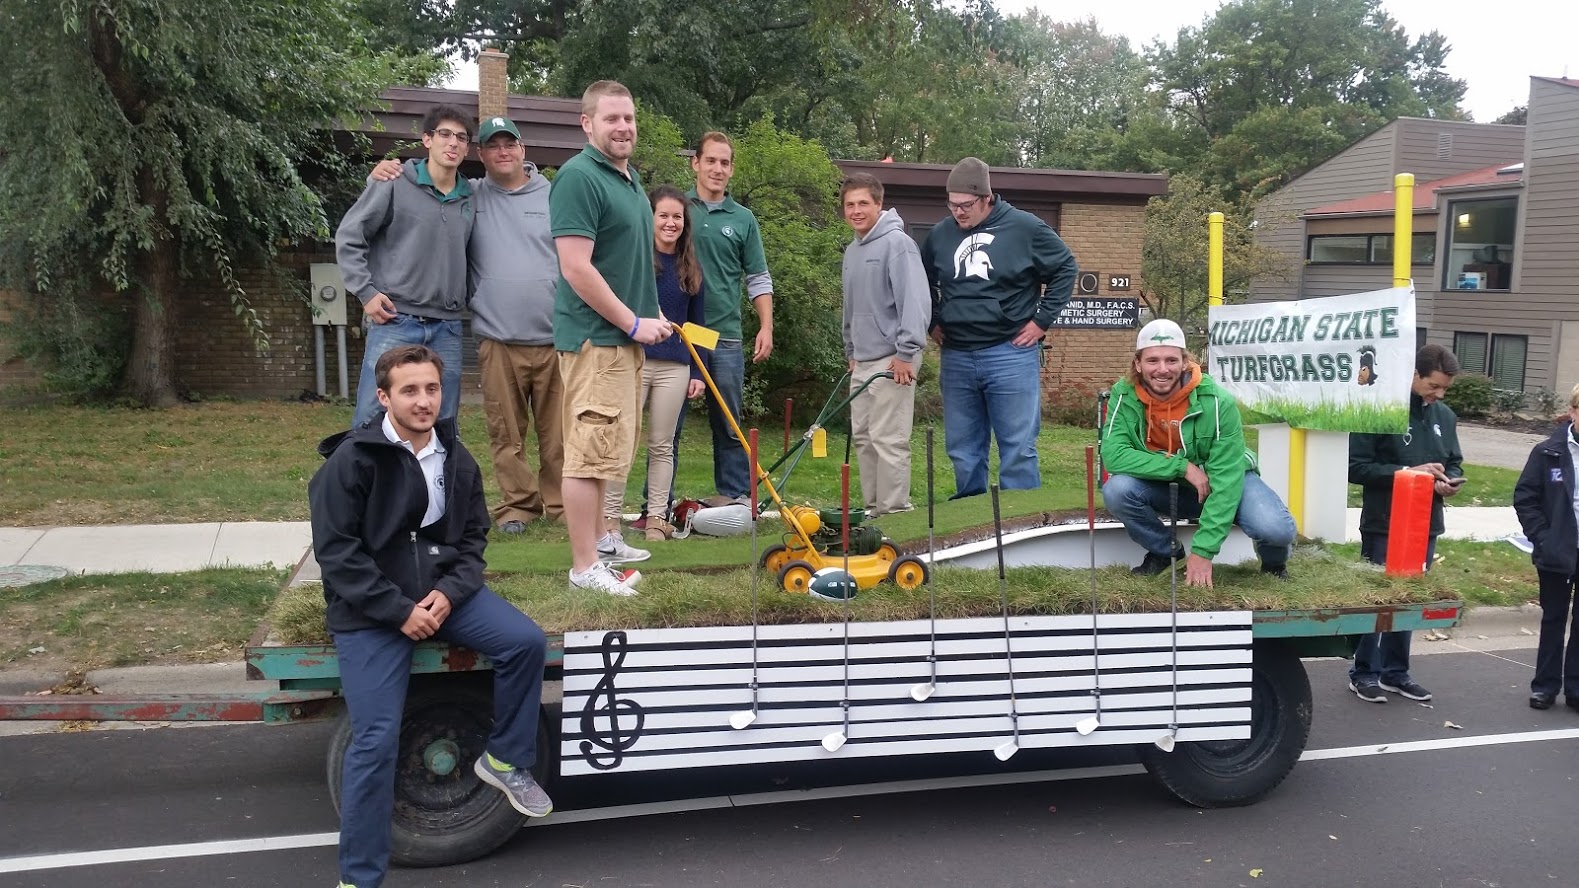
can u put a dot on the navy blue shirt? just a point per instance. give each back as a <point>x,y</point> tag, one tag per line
<point>679,307</point>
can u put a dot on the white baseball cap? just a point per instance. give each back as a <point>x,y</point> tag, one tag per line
<point>1160,332</point>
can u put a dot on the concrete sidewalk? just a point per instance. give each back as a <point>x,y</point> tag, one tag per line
<point>173,548</point>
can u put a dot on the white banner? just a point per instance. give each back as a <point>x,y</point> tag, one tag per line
<point>1340,364</point>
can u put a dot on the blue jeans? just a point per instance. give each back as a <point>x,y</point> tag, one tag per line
<point>1383,656</point>
<point>1143,507</point>
<point>731,467</point>
<point>375,667</point>
<point>992,392</point>
<point>440,335</point>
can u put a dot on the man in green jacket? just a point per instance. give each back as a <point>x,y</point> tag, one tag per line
<point>1169,422</point>
<point>1430,444</point>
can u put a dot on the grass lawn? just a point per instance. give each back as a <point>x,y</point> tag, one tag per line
<point>87,622</point>
<point>251,462</point>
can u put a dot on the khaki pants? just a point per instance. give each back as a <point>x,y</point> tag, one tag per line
<point>602,409</point>
<point>663,386</point>
<point>517,379</point>
<point>880,421</point>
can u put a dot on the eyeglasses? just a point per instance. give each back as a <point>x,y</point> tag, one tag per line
<point>456,135</point>
<point>510,145</point>
<point>963,205</point>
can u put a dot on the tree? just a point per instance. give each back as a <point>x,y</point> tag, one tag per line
<point>1081,86</point>
<point>1519,115</point>
<point>1174,255</point>
<point>176,132</point>
<point>1314,74</point>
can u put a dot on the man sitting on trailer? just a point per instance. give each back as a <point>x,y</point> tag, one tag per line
<point>399,525</point>
<point>1169,422</point>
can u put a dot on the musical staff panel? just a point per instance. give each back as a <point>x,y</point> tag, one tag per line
<point>643,700</point>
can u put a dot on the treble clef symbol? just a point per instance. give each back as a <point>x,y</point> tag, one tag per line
<point>617,738</point>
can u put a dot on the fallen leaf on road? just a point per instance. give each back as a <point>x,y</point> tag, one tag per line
<point>1256,873</point>
<point>1524,631</point>
<point>38,650</point>
<point>1449,724</point>
<point>1332,837</point>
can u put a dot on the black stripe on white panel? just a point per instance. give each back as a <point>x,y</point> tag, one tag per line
<point>656,699</point>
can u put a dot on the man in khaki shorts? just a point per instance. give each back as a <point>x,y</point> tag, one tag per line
<point>605,310</point>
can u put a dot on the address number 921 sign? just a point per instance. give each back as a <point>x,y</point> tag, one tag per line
<point>1338,364</point>
<point>658,699</point>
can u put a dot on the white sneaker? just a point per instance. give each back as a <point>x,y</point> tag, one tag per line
<point>600,578</point>
<point>613,549</point>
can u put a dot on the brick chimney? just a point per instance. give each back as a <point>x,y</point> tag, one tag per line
<point>493,87</point>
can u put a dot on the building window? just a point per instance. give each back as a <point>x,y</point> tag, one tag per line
<point>1501,357</point>
<point>1507,361</point>
<point>1368,249</point>
<point>1470,349</point>
<point>1480,244</point>
<point>1420,338</point>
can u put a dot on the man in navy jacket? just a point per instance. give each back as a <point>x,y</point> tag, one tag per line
<point>399,526</point>
<point>1545,502</point>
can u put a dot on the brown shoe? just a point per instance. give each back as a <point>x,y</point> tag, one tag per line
<point>658,529</point>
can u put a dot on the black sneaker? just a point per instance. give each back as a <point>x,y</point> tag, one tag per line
<point>1407,688</point>
<point>1155,564</point>
<point>1280,571</point>
<point>1370,693</point>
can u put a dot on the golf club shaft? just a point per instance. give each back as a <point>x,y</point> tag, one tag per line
<point>844,520</point>
<point>1091,533</point>
<point>755,570</point>
<point>1173,590</point>
<point>1003,597</point>
<point>932,598</point>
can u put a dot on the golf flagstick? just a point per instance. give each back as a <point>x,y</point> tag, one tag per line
<point>1005,751</point>
<point>744,718</point>
<point>921,692</point>
<point>834,741</point>
<point>1086,725</point>
<point>1166,741</point>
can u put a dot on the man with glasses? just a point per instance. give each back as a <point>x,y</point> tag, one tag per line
<point>402,252</point>
<point>999,278</point>
<point>513,273</point>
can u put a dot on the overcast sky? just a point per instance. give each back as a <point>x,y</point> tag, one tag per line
<point>1497,46</point>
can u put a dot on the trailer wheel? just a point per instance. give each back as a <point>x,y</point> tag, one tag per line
<point>887,552</point>
<point>908,573</point>
<point>444,814</point>
<point>1227,773</point>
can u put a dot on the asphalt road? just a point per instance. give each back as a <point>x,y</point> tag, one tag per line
<point>1496,814</point>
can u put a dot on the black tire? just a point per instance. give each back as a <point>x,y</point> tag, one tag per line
<point>775,557</point>
<point>908,573</point>
<point>795,577</point>
<point>453,817</point>
<point>1228,773</point>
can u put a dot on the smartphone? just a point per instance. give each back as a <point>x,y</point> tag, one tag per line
<point>1455,482</point>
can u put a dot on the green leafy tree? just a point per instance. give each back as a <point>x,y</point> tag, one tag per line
<point>1311,75</point>
<point>1174,255</point>
<point>1082,88</point>
<point>791,185</point>
<point>177,132</point>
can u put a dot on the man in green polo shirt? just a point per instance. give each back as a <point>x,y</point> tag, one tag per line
<point>605,310</point>
<point>729,245</point>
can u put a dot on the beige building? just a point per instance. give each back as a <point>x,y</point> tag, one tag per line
<point>1495,243</point>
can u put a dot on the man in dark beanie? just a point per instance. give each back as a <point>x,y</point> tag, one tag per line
<point>999,278</point>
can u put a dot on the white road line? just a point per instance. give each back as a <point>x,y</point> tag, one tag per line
<point>592,815</point>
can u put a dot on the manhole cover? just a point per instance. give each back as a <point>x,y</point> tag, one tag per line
<point>28,574</point>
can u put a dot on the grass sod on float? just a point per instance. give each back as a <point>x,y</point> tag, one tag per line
<point>672,598</point>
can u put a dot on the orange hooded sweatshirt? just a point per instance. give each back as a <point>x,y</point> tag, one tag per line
<point>1164,415</point>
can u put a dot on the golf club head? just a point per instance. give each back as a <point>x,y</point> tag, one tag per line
<point>742,719</point>
<point>1165,742</point>
<point>1087,725</point>
<point>922,691</point>
<point>1006,751</point>
<point>833,741</point>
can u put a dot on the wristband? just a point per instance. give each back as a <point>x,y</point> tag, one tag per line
<point>634,327</point>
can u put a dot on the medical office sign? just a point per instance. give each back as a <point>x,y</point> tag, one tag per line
<point>1091,313</point>
<point>1341,364</point>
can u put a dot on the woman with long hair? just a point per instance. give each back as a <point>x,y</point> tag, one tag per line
<point>668,376</point>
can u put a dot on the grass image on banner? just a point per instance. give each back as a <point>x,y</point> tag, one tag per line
<point>1327,415</point>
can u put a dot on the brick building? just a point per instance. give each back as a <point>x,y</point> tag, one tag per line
<point>1099,214</point>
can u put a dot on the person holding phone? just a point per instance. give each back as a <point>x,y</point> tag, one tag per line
<point>1544,500</point>
<point>1429,444</point>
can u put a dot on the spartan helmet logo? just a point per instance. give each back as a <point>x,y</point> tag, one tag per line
<point>971,259</point>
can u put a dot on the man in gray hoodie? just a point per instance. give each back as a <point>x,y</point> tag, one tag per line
<point>402,251</point>
<point>513,270</point>
<point>887,309</point>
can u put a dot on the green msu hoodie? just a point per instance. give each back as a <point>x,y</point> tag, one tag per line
<point>988,281</point>
<point>1211,437</point>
